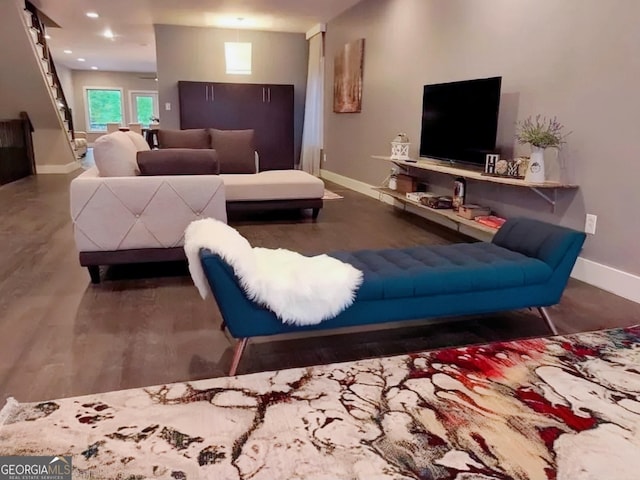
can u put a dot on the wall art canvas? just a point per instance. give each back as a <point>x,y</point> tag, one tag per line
<point>347,80</point>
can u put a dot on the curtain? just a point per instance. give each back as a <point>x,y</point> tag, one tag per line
<point>313,131</point>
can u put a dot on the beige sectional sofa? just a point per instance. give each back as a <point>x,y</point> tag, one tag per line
<point>122,216</point>
<point>248,184</point>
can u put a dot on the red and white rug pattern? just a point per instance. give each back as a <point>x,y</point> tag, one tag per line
<point>561,408</point>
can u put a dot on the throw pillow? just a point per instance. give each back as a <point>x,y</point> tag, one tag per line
<point>192,138</point>
<point>235,150</point>
<point>139,141</point>
<point>178,161</point>
<point>115,155</point>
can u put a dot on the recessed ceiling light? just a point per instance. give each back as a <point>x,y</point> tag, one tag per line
<point>68,51</point>
<point>108,33</point>
<point>48,37</point>
<point>94,68</point>
<point>92,15</point>
<point>232,22</point>
<point>81,60</point>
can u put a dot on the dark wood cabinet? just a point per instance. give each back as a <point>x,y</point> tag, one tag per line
<point>267,109</point>
<point>194,98</point>
<point>16,149</point>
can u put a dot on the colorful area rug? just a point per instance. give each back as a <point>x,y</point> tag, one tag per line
<point>329,195</point>
<point>560,408</point>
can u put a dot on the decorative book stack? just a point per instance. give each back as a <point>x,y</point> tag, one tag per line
<point>491,221</point>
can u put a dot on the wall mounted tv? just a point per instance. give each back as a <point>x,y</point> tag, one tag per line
<point>460,120</point>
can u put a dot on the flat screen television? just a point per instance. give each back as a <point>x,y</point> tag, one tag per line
<point>460,120</point>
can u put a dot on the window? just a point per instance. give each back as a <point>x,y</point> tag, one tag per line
<point>144,106</point>
<point>237,56</point>
<point>104,105</point>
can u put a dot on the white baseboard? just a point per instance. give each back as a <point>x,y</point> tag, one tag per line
<point>350,183</point>
<point>607,278</point>
<point>68,168</point>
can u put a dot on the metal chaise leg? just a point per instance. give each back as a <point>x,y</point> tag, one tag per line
<point>547,318</point>
<point>237,354</point>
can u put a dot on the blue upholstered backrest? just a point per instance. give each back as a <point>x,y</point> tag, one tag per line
<point>544,241</point>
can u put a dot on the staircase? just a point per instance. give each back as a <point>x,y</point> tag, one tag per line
<point>29,83</point>
<point>38,35</point>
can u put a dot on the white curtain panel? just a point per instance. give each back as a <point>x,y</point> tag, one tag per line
<point>313,132</point>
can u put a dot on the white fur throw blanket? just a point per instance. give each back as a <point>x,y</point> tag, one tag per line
<point>299,290</point>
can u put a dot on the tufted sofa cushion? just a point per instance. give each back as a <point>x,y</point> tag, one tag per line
<point>138,140</point>
<point>235,150</point>
<point>115,155</point>
<point>446,269</point>
<point>189,138</point>
<point>179,161</point>
<point>123,213</point>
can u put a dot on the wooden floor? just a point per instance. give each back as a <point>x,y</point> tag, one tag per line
<point>144,325</point>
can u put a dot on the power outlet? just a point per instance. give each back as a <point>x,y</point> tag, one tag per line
<point>167,106</point>
<point>324,157</point>
<point>590,224</point>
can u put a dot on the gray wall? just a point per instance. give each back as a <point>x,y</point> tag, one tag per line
<point>197,54</point>
<point>575,59</point>
<point>89,78</point>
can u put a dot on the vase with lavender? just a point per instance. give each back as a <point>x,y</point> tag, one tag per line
<point>540,133</point>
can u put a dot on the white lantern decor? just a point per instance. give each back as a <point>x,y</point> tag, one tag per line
<point>400,147</point>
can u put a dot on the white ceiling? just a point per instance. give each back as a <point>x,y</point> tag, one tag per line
<point>131,21</point>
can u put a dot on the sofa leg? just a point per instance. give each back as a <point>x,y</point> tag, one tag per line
<point>237,354</point>
<point>547,318</point>
<point>94,273</point>
<point>315,213</point>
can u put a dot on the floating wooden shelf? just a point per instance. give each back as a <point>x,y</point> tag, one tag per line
<point>445,212</point>
<point>433,166</point>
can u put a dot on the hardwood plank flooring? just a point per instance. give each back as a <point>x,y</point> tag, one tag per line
<point>145,324</point>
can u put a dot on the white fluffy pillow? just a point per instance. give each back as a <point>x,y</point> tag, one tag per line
<point>115,155</point>
<point>139,141</point>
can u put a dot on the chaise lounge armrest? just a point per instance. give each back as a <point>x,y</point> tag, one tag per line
<point>556,246</point>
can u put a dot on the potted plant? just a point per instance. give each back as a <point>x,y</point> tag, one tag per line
<point>541,133</point>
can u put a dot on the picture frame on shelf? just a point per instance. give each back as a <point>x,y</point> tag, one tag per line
<point>490,163</point>
<point>496,167</point>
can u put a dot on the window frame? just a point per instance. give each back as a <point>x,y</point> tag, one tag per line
<point>87,115</point>
<point>132,93</point>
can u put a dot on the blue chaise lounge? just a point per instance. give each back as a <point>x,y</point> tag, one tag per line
<point>527,264</point>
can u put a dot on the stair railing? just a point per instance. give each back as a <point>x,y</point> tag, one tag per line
<point>38,26</point>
